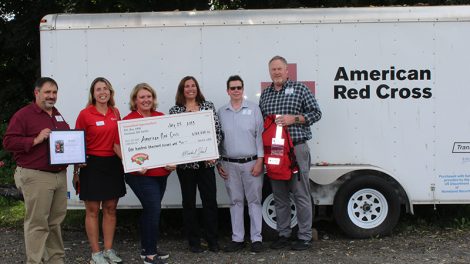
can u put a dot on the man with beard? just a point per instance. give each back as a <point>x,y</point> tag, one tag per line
<point>44,187</point>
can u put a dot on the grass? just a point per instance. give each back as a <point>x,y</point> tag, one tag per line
<point>11,212</point>
<point>12,215</point>
<point>442,217</point>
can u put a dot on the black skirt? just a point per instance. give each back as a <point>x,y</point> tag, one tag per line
<point>102,179</point>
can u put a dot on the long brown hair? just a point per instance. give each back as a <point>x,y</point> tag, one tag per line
<point>92,100</point>
<point>180,100</point>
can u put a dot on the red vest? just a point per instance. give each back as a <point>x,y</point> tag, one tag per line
<point>279,157</point>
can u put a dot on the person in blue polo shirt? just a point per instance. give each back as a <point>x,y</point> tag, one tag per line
<point>241,163</point>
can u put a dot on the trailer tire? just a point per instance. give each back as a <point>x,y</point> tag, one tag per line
<point>366,206</point>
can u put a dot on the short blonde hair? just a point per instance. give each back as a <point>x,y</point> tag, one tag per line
<point>136,90</point>
<point>92,100</point>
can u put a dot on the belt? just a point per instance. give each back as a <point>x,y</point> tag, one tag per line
<point>299,142</point>
<point>51,171</point>
<point>242,160</point>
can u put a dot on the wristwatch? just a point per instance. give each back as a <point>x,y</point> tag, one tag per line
<point>297,119</point>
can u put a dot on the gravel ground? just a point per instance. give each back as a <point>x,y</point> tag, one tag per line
<point>424,246</point>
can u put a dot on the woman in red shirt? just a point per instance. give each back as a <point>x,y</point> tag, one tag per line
<point>101,180</point>
<point>148,185</point>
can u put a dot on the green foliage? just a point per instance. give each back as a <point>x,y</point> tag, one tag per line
<point>7,163</point>
<point>226,4</point>
<point>11,212</point>
<point>462,222</point>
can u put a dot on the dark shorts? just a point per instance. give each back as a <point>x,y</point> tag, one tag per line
<point>102,179</point>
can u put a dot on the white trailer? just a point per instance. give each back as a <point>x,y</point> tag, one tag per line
<point>392,84</point>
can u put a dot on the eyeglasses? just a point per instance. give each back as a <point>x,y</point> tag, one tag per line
<point>233,88</point>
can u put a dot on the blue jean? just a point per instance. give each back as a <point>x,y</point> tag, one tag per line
<point>149,190</point>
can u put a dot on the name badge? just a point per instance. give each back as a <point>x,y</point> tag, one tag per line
<point>59,118</point>
<point>99,123</point>
<point>274,161</point>
<point>290,91</point>
<point>246,112</point>
<point>277,141</point>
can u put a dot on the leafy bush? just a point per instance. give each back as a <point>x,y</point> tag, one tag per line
<point>7,165</point>
<point>11,212</point>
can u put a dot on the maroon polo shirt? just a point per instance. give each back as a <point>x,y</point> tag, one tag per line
<point>24,126</point>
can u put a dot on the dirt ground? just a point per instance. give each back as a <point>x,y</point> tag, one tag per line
<point>423,246</point>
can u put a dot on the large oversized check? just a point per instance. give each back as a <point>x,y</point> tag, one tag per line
<point>153,142</point>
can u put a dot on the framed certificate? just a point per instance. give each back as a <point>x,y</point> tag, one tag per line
<point>153,142</point>
<point>67,147</point>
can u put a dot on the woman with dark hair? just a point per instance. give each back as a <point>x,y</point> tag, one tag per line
<point>200,175</point>
<point>102,179</point>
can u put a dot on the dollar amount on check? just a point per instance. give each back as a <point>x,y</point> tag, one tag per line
<point>153,142</point>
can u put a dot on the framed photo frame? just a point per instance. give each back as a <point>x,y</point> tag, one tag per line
<point>67,147</point>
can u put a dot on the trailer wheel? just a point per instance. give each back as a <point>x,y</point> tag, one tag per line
<point>366,206</point>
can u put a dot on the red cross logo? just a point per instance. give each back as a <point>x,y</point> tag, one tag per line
<point>292,74</point>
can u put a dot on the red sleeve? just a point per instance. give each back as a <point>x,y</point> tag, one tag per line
<point>16,139</point>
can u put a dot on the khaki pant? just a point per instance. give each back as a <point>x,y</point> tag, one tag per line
<point>45,199</point>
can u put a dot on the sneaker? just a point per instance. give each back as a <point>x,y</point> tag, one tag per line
<point>280,242</point>
<point>98,258</point>
<point>234,246</point>
<point>256,247</point>
<point>301,244</point>
<point>110,254</point>
<point>155,260</point>
<point>160,254</point>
